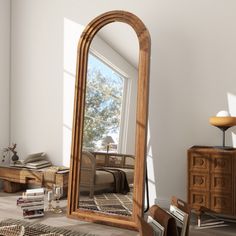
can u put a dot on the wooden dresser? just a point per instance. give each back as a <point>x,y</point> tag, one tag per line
<point>212,179</point>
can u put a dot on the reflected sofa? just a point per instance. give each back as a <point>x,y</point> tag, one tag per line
<point>93,178</point>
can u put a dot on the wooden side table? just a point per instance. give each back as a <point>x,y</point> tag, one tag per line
<point>212,179</point>
<point>15,178</point>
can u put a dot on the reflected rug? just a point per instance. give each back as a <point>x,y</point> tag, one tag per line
<point>112,203</point>
<point>24,228</point>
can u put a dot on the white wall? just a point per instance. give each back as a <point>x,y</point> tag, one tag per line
<point>4,72</point>
<point>37,69</point>
<point>192,77</point>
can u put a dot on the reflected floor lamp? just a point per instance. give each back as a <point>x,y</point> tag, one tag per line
<point>107,141</point>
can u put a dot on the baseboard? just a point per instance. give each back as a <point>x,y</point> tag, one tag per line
<point>163,202</point>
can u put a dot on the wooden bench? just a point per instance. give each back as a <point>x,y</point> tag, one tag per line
<point>15,179</point>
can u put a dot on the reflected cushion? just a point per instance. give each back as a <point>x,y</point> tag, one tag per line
<point>103,177</point>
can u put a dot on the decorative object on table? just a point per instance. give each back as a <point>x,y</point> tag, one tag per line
<point>57,193</point>
<point>223,120</point>
<point>12,149</point>
<point>32,203</point>
<point>50,199</point>
<point>107,142</point>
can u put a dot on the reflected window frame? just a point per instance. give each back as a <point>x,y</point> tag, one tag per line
<point>127,83</point>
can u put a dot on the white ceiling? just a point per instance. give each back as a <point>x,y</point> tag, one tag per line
<point>123,39</point>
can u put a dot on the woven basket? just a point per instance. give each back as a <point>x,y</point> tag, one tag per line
<point>12,230</point>
<point>16,227</point>
<point>51,234</point>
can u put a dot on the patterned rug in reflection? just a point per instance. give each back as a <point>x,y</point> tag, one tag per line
<point>111,203</point>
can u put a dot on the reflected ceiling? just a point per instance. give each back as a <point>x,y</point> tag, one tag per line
<point>125,42</point>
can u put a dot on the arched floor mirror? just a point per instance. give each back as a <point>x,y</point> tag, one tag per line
<point>117,172</point>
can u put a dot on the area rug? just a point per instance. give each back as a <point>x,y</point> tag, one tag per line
<point>111,203</point>
<point>32,229</point>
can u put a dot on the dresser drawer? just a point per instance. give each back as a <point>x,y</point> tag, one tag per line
<point>199,181</point>
<point>222,203</point>
<point>221,164</point>
<point>221,183</point>
<point>199,162</point>
<point>197,199</point>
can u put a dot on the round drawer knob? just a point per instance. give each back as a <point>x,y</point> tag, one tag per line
<point>200,161</point>
<point>199,199</point>
<point>199,180</point>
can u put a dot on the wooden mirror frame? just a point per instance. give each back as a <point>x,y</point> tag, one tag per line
<point>93,27</point>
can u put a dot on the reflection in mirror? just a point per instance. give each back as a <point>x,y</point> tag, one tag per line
<point>108,155</point>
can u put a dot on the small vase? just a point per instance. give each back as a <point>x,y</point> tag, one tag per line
<point>15,158</point>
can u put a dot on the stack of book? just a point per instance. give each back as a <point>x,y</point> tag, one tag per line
<point>32,203</point>
<point>33,161</point>
<point>38,164</point>
<point>59,169</point>
<point>208,218</point>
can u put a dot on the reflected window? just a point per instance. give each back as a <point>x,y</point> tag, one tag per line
<point>104,101</point>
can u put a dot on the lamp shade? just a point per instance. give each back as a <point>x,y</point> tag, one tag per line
<point>223,121</point>
<point>107,140</point>
<point>223,114</point>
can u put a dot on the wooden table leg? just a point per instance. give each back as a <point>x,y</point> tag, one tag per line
<point>12,187</point>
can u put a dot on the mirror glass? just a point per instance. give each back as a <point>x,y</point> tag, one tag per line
<point>108,151</point>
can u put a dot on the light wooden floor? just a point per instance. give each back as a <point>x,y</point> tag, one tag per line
<point>8,209</point>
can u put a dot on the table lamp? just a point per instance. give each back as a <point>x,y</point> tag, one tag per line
<point>106,142</point>
<point>223,120</point>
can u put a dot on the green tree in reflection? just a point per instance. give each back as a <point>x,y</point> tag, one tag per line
<point>103,105</point>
